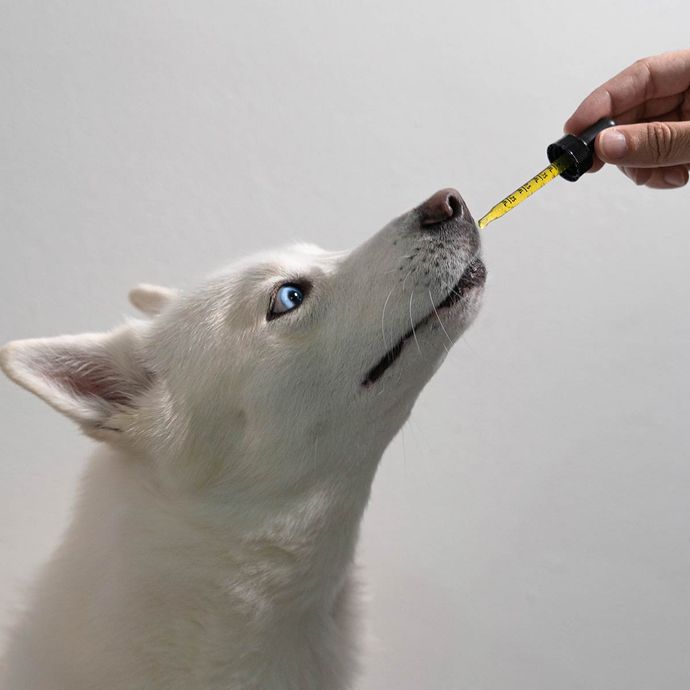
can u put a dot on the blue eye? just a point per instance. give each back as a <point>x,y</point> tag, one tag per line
<point>287,298</point>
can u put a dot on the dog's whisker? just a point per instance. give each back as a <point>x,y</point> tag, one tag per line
<point>440,323</point>
<point>463,339</point>
<point>383,315</point>
<point>409,273</point>
<point>414,332</point>
<point>419,436</point>
<point>448,287</point>
<point>469,347</point>
<point>399,268</point>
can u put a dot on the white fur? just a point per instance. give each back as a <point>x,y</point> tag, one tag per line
<point>151,299</point>
<point>212,542</point>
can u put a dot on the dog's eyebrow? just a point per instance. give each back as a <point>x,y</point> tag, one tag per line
<point>105,427</point>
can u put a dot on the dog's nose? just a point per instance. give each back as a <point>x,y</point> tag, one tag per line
<point>442,206</point>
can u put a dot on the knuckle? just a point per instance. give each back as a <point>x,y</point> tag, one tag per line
<point>644,71</point>
<point>660,140</point>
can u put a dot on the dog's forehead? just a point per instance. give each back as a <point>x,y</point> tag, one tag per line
<point>251,279</point>
<point>296,261</point>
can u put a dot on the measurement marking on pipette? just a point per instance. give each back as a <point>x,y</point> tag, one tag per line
<point>549,173</point>
<point>570,156</point>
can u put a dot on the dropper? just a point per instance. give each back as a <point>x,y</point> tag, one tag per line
<point>570,157</point>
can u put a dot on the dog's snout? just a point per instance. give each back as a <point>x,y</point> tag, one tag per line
<point>442,206</point>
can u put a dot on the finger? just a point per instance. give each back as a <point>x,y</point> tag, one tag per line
<point>653,109</point>
<point>654,77</point>
<point>638,175</point>
<point>673,116</point>
<point>597,165</point>
<point>645,145</point>
<point>658,178</point>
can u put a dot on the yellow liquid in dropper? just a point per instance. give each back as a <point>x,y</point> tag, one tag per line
<point>521,193</point>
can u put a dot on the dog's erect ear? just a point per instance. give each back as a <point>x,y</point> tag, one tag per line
<point>151,299</point>
<point>94,378</point>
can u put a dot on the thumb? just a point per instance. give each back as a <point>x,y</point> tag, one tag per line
<point>645,145</point>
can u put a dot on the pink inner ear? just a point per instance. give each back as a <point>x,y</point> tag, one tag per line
<point>92,378</point>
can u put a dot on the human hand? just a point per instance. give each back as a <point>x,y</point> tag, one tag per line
<point>650,101</point>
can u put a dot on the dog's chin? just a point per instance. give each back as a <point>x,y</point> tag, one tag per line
<point>458,309</point>
<point>471,284</point>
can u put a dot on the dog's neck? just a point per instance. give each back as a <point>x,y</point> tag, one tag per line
<point>221,580</point>
<point>308,531</point>
<point>287,512</point>
<point>251,573</point>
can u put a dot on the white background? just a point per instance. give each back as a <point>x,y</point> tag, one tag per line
<point>530,528</point>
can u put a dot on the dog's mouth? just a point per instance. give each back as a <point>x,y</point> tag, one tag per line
<point>474,276</point>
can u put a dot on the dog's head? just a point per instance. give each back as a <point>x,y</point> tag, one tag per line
<point>249,372</point>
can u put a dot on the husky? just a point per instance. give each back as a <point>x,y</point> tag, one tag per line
<point>240,426</point>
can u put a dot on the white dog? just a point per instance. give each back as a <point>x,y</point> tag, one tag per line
<point>242,424</point>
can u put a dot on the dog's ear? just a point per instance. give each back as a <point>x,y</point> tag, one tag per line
<point>151,299</point>
<point>94,378</point>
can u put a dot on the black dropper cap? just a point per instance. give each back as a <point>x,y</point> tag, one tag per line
<point>579,149</point>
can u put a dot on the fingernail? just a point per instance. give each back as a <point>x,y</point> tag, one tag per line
<point>613,144</point>
<point>674,178</point>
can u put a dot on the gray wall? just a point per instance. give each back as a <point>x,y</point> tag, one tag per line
<point>530,526</point>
